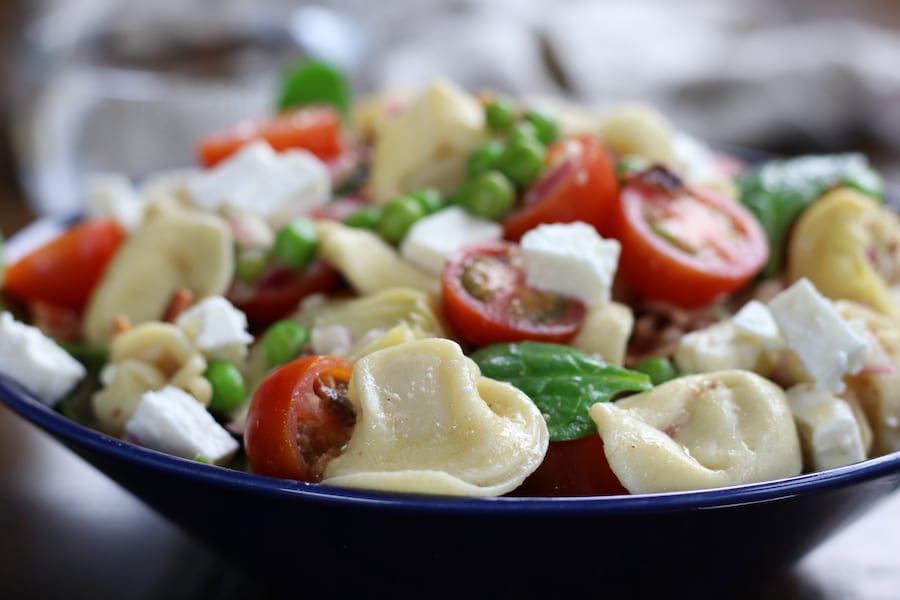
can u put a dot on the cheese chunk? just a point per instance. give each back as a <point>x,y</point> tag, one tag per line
<point>259,181</point>
<point>431,240</point>
<point>172,421</point>
<point>217,329</point>
<point>111,195</point>
<point>428,422</point>
<point>571,259</point>
<point>829,432</point>
<point>826,345</point>
<point>36,362</point>
<point>700,431</point>
<point>755,321</point>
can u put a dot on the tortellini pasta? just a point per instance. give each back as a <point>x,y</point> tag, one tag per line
<point>877,387</point>
<point>144,358</point>
<point>368,262</point>
<point>698,432</point>
<point>606,331</point>
<point>357,326</point>
<point>848,246</point>
<point>428,422</point>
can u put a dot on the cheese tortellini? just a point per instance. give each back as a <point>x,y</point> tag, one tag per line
<point>428,422</point>
<point>698,432</point>
<point>144,358</point>
<point>368,262</point>
<point>848,245</point>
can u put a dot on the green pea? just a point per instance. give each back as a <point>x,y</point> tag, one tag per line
<point>398,216</point>
<point>500,114</point>
<point>296,243</point>
<point>228,387</point>
<point>250,263</point>
<point>366,217</point>
<point>545,126</point>
<point>429,199</point>
<point>460,196</point>
<point>485,158</point>
<point>283,341</point>
<point>658,368</point>
<point>523,130</point>
<point>522,161</point>
<point>491,196</point>
<point>314,82</point>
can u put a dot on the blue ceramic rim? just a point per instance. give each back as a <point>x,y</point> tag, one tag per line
<point>82,437</point>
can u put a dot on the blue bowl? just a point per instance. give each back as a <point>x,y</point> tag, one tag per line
<point>293,537</point>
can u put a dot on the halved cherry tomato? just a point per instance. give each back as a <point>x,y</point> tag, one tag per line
<point>64,271</point>
<point>686,246</point>
<point>580,185</point>
<point>314,128</point>
<point>486,299</point>
<point>279,291</point>
<point>573,468</point>
<point>299,418</point>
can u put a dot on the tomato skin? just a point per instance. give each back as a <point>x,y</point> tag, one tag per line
<point>314,128</point>
<point>64,271</point>
<point>580,185</point>
<point>573,468</point>
<point>485,322</point>
<point>280,290</point>
<point>721,261</point>
<point>292,428</point>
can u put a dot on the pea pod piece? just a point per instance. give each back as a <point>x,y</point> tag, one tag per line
<point>563,382</point>
<point>777,191</point>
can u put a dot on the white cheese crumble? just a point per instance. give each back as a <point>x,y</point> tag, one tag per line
<point>172,421</point>
<point>571,259</point>
<point>217,328</point>
<point>431,240</point>
<point>36,362</point>
<point>827,346</point>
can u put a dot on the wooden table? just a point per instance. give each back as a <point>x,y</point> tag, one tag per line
<point>67,531</point>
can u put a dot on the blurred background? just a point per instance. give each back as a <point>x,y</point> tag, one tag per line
<point>110,85</point>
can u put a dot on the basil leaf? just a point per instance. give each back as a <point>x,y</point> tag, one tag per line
<point>314,82</point>
<point>561,381</point>
<point>777,191</point>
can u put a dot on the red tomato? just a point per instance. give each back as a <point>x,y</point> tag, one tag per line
<point>300,418</point>
<point>280,290</point>
<point>580,185</point>
<point>314,128</point>
<point>486,299</point>
<point>573,468</point>
<point>64,271</point>
<point>686,246</point>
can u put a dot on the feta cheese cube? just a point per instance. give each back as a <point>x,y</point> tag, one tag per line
<point>111,195</point>
<point>829,432</point>
<point>754,320</point>
<point>259,181</point>
<point>571,259</point>
<point>431,240</point>
<point>36,362</point>
<point>826,345</point>
<point>217,328</point>
<point>172,421</point>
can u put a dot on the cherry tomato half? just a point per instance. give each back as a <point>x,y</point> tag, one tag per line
<point>682,245</point>
<point>300,418</point>
<point>573,468</point>
<point>486,299</point>
<point>579,185</point>
<point>279,291</point>
<point>64,271</point>
<point>314,128</point>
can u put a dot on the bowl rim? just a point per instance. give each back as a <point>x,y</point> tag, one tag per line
<point>82,437</point>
